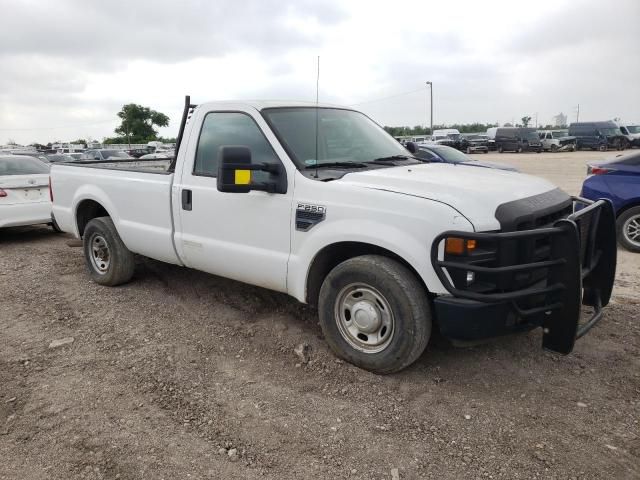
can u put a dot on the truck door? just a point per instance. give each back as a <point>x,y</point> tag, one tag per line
<point>243,236</point>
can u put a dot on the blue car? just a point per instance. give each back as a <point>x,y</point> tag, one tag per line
<point>442,153</point>
<point>619,181</point>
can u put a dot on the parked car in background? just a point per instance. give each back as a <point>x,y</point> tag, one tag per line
<point>28,153</point>
<point>515,139</point>
<point>473,143</point>
<point>139,152</point>
<point>60,157</point>
<point>445,154</point>
<point>75,155</point>
<point>619,181</point>
<point>632,134</point>
<point>554,140</point>
<point>24,192</point>
<point>597,135</point>
<point>102,154</point>
<point>151,156</point>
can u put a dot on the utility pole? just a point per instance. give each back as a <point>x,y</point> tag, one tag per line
<point>578,113</point>
<point>430,84</point>
<point>536,120</point>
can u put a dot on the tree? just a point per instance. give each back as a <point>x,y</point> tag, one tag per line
<point>138,122</point>
<point>525,120</point>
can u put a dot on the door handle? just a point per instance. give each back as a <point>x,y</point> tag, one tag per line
<point>187,200</point>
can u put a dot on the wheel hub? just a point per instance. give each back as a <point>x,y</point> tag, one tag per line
<point>632,229</point>
<point>100,254</point>
<point>366,317</point>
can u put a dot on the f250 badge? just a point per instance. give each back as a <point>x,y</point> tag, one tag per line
<point>309,215</point>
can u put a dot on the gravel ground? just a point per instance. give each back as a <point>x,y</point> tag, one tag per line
<point>186,375</point>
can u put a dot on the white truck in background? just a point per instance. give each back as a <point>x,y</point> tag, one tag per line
<point>321,203</point>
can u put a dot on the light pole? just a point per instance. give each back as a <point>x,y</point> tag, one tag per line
<point>430,84</point>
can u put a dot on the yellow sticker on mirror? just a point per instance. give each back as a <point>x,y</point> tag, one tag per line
<point>243,177</point>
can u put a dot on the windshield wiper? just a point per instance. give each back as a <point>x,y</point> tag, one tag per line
<point>393,157</point>
<point>337,165</point>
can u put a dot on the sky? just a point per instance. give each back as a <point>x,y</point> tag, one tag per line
<point>68,66</point>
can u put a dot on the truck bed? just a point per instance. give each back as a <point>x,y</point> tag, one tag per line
<point>136,194</point>
<point>155,165</point>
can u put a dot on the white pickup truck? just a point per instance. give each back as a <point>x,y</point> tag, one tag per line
<point>319,202</point>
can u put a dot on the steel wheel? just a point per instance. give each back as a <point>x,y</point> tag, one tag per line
<point>631,230</point>
<point>364,317</point>
<point>100,254</point>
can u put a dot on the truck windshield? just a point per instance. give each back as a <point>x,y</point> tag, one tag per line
<point>634,128</point>
<point>343,136</point>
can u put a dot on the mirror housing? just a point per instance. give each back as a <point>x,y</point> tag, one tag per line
<point>235,172</point>
<point>412,147</point>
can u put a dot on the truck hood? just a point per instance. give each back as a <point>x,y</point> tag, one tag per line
<point>474,192</point>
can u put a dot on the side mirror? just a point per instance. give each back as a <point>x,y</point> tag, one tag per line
<point>235,172</point>
<point>412,147</point>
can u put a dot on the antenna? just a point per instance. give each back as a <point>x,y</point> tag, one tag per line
<point>317,95</point>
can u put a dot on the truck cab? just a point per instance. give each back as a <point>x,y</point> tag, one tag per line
<point>319,202</point>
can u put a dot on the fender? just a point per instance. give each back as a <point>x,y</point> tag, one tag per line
<point>410,246</point>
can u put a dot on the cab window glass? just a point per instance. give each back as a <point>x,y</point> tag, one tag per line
<point>230,128</point>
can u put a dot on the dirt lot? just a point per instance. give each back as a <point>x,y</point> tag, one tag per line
<point>185,375</point>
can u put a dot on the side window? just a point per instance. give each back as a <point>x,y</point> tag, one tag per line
<point>230,128</point>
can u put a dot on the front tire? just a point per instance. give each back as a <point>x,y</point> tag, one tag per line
<point>628,226</point>
<point>108,259</point>
<point>374,313</point>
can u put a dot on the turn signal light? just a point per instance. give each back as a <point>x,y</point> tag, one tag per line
<point>3,193</point>
<point>459,246</point>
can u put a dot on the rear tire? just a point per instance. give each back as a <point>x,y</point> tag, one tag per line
<point>375,313</point>
<point>554,148</point>
<point>628,229</point>
<point>108,259</point>
<point>602,148</point>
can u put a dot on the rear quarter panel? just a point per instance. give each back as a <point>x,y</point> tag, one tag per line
<point>137,202</point>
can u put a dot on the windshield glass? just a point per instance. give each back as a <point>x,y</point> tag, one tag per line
<point>559,134</point>
<point>634,128</point>
<point>343,136</point>
<point>107,154</point>
<point>452,155</point>
<point>532,137</point>
<point>610,131</point>
<point>21,166</point>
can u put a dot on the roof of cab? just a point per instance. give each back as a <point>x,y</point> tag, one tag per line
<point>263,104</point>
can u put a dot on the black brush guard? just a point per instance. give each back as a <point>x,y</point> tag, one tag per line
<point>579,270</point>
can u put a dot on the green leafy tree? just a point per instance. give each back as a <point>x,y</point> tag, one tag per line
<point>525,120</point>
<point>138,122</point>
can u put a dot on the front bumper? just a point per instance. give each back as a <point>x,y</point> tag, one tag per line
<point>478,148</point>
<point>577,267</point>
